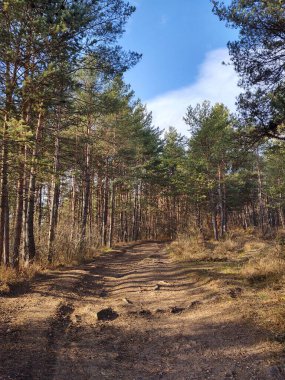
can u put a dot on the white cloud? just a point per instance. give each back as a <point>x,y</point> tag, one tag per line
<point>215,82</point>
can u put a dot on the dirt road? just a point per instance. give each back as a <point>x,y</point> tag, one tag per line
<point>163,321</point>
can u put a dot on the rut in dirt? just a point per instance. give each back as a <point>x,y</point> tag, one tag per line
<point>131,314</point>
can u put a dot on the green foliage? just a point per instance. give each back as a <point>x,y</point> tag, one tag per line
<point>275,174</point>
<point>172,163</point>
<point>257,56</point>
<point>211,145</point>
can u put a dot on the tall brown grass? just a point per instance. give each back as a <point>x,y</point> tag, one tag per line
<point>188,248</point>
<point>268,265</point>
<point>10,277</point>
<point>260,260</point>
<point>194,248</point>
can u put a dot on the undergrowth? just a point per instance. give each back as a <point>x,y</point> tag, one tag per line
<point>254,264</point>
<point>262,260</point>
<point>193,247</point>
<point>266,266</point>
<point>10,277</point>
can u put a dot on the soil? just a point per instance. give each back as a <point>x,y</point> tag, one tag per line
<point>132,314</point>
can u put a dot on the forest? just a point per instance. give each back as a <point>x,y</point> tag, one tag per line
<point>82,164</point>
<point>129,251</point>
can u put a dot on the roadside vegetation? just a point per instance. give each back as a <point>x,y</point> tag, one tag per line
<point>244,268</point>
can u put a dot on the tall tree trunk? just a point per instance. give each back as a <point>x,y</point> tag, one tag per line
<point>105,211</point>
<point>135,216</point>
<point>30,237</point>
<point>7,234</point>
<point>53,218</point>
<point>198,217</point>
<point>21,195</point>
<point>73,206</point>
<point>55,199</point>
<point>221,196</point>
<point>261,208</point>
<point>40,209</point>
<point>19,220</point>
<point>112,216</point>
<point>214,216</point>
<point>10,84</point>
<point>4,215</point>
<point>87,181</point>
<point>281,216</point>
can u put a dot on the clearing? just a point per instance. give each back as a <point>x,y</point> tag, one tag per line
<point>163,320</point>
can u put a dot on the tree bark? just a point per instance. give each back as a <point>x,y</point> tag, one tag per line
<point>4,231</point>
<point>19,220</point>
<point>55,199</point>
<point>112,216</point>
<point>30,237</point>
<point>87,181</point>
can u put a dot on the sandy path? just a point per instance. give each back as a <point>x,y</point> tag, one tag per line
<point>170,324</point>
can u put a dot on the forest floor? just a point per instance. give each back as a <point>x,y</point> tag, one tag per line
<point>168,321</point>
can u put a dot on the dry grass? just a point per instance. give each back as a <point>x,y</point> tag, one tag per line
<point>67,247</point>
<point>264,306</point>
<point>254,245</point>
<point>189,248</point>
<point>225,248</point>
<point>10,277</point>
<point>268,265</point>
<point>235,245</point>
<point>262,260</point>
<point>255,265</point>
<point>195,248</point>
<point>272,316</point>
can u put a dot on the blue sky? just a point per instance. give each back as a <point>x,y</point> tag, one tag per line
<point>183,45</point>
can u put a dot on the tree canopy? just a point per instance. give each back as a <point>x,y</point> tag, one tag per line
<point>258,58</point>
